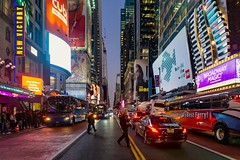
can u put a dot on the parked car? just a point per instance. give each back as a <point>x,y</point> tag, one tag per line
<point>160,128</point>
<point>227,124</point>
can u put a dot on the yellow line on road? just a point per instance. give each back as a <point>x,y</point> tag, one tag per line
<point>136,152</point>
<point>137,149</point>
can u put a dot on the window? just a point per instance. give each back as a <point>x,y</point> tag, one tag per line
<point>7,36</point>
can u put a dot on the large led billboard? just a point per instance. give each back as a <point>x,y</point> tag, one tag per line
<point>224,74</point>
<point>57,18</point>
<point>173,68</point>
<point>77,23</point>
<point>60,52</point>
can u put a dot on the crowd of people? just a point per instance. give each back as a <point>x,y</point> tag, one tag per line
<point>21,120</point>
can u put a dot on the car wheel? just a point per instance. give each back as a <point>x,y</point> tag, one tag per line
<point>221,134</point>
<point>145,139</point>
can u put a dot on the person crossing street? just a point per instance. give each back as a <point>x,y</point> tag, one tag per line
<point>124,123</point>
<point>91,122</point>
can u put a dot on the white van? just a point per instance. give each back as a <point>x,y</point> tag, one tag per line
<point>158,106</point>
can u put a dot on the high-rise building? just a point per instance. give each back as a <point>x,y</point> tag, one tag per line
<point>80,36</point>
<point>127,38</point>
<point>27,63</point>
<point>209,29</point>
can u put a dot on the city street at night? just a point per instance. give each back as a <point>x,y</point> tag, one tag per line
<point>120,80</point>
<point>73,143</point>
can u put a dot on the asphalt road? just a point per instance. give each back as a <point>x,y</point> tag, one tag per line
<point>72,142</point>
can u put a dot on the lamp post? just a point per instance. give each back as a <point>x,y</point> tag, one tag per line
<point>9,67</point>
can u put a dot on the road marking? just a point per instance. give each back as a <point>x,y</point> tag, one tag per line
<point>137,149</point>
<point>136,152</point>
<point>223,155</point>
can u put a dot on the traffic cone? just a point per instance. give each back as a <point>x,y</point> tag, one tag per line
<point>17,129</point>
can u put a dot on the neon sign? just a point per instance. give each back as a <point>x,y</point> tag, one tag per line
<point>19,28</point>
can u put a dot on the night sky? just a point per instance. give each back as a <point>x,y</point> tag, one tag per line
<point>111,12</point>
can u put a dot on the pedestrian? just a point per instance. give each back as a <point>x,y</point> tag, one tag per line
<point>124,123</point>
<point>91,122</point>
<point>4,123</point>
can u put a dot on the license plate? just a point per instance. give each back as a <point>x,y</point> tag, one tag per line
<point>170,130</point>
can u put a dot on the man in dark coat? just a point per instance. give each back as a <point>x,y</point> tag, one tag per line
<point>124,125</point>
<point>91,122</point>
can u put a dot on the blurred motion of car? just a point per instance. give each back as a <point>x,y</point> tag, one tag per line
<point>160,128</point>
<point>100,111</point>
<point>227,124</point>
<point>134,119</point>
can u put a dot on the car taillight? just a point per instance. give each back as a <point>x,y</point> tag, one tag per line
<point>213,119</point>
<point>184,131</point>
<point>136,117</point>
<point>153,130</point>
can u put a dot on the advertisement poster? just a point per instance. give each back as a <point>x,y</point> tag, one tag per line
<point>140,79</point>
<point>77,12</point>
<point>79,67</point>
<point>57,18</point>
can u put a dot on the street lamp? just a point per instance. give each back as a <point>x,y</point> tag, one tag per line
<point>8,68</point>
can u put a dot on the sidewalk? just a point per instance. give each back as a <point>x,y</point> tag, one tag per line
<point>12,134</point>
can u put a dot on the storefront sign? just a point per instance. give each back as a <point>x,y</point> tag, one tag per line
<point>19,31</point>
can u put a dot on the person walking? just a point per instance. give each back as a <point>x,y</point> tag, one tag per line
<point>91,122</point>
<point>124,125</point>
<point>4,123</point>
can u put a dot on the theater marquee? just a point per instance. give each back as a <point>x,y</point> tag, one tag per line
<point>19,31</point>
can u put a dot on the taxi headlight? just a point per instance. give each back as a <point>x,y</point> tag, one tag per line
<point>47,119</point>
<point>94,116</point>
<point>66,118</point>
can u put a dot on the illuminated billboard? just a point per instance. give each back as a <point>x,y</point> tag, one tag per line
<point>140,79</point>
<point>33,84</point>
<point>173,67</point>
<point>57,18</point>
<point>80,67</point>
<point>77,23</point>
<point>224,74</point>
<point>60,52</point>
<point>19,31</point>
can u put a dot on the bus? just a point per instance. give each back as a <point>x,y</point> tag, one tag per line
<point>65,109</point>
<point>100,111</point>
<point>209,112</point>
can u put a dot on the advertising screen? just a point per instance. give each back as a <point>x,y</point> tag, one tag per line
<point>60,52</point>
<point>173,65</point>
<point>32,84</point>
<point>224,74</point>
<point>77,23</point>
<point>57,18</point>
